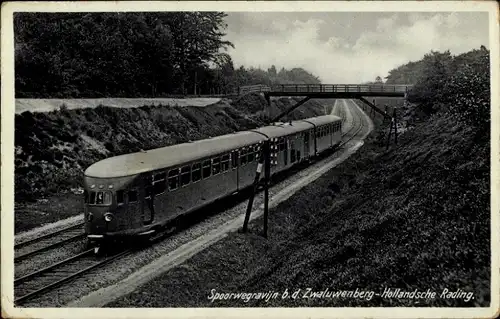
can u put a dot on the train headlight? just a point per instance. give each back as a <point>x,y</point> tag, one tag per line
<point>108,217</point>
<point>90,217</point>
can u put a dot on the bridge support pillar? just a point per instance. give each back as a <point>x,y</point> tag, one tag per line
<point>275,119</point>
<point>373,107</point>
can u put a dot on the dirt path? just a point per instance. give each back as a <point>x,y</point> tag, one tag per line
<point>176,257</point>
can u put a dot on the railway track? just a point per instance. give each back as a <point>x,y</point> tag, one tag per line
<point>38,282</point>
<point>47,242</point>
<point>356,127</point>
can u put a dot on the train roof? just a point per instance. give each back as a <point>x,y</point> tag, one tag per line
<point>170,156</point>
<point>321,120</point>
<point>283,129</point>
<point>155,159</point>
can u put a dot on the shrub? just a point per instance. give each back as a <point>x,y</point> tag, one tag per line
<point>469,96</point>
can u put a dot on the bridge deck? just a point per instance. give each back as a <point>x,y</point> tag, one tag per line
<point>329,90</point>
<point>337,90</point>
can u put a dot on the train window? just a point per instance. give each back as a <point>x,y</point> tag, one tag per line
<point>234,159</point>
<point>148,192</point>
<point>185,175</point>
<point>119,197</point>
<point>107,198</point>
<point>132,196</point>
<point>99,200</point>
<point>206,168</point>
<point>159,187</point>
<point>92,198</point>
<point>243,157</point>
<point>250,156</point>
<point>173,179</point>
<point>281,145</point>
<point>225,163</point>
<point>292,156</point>
<point>196,172</point>
<point>216,166</point>
<point>160,176</point>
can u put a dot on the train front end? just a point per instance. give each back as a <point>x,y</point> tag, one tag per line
<point>104,209</point>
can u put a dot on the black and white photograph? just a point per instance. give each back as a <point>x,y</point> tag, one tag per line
<point>294,159</point>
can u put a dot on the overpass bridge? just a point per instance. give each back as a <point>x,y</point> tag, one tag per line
<point>329,91</point>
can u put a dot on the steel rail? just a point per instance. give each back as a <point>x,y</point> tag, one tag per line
<point>27,242</point>
<point>59,280</point>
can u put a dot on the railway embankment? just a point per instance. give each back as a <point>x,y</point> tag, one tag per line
<point>418,211</point>
<point>54,148</point>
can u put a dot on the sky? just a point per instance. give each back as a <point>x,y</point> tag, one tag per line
<point>350,47</point>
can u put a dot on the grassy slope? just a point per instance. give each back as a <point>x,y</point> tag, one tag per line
<point>53,149</point>
<point>415,216</point>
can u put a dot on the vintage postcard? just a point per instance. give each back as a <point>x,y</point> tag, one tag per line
<point>292,159</point>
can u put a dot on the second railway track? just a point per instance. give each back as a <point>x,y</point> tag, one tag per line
<point>42,280</point>
<point>47,242</point>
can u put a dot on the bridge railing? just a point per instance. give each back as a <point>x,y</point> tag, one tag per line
<point>325,88</point>
<point>332,88</point>
<point>253,88</point>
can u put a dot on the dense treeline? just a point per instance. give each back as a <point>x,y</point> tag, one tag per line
<point>459,84</point>
<point>130,55</point>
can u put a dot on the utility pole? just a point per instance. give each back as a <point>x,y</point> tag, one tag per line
<point>264,160</point>
<point>395,126</point>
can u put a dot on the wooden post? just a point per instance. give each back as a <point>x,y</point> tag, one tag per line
<point>267,177</point>
<point>395,126</point>
<point>263,154</point>
<point>389,137</point>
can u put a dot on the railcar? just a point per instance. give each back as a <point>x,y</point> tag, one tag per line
<point>138,194</point>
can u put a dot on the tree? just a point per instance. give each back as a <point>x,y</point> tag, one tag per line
<point>197,38</point>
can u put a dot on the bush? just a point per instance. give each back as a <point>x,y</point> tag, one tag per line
<point>458,85</point>
<point>469,96</point>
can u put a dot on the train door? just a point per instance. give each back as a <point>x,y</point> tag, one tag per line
<point>330,133</point>
<point>148,205</point>
<point>234,166</point>
<point>293,152</point>
<point>306,144</point>
<point>285,151</point>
